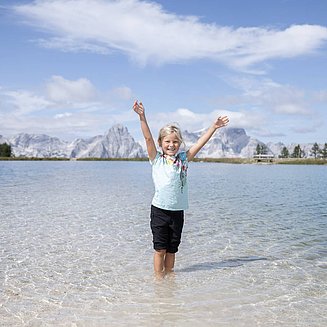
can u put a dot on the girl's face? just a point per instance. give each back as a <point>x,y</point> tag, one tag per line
<point>170,144</point>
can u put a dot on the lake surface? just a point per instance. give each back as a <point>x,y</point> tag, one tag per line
<point>76,246</point>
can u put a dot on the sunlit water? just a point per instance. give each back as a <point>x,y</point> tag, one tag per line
<point>76,246</point>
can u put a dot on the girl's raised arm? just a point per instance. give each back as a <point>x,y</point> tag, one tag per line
<point>220,122</point>
<point>150,145</point>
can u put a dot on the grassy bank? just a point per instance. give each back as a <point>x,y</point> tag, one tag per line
<point>32,159</point>
<point>278,161</point>
<point>226,160</point>
<point>69,159</point>
<point>302,161</point>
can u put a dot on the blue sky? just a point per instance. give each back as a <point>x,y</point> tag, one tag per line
<point>73,68</point>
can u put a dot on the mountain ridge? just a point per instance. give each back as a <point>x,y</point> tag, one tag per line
<point>119,143</point>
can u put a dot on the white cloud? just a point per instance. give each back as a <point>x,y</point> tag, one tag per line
<point>187,114</point>
<point>59,94</point>
<point>265,94</point>
<point>145,32</point>
<point>23,102</point>
<point>64,115</point>
<point>291,109</point>
<point>260,44</point>
<point>71,127</point>
<point>70,45</point>
<point>93,112</point>
<point>192,121</point>
<point>63,90</point>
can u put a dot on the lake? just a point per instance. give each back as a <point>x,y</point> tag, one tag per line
<point>76,246</point>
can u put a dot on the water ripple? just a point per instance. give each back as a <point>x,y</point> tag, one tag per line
<point>75,247</point>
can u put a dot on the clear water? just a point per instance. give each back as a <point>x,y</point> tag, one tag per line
<point>76,247</point>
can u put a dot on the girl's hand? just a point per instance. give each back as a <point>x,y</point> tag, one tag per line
<point>221,122</point>
<point>138,108</point>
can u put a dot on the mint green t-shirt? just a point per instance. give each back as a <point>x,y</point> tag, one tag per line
<point>170,181</point>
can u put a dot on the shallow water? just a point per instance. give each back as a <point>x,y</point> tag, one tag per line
<point>75,246</point>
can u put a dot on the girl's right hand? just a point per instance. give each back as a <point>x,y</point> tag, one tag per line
<point>138,108</point>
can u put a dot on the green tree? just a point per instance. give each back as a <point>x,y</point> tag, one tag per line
<point>297,152</point>
<point>324,151</point>
<point>284,153</point>
<point>261,149</point>
<point>258,149</point>
<point>315,149</point>
<point>5,150</point>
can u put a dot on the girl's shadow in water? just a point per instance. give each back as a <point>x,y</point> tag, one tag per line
<point>230,263</point>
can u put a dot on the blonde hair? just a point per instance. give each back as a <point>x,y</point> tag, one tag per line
<point>169,129</point>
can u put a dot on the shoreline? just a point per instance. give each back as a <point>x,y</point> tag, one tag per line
<point>276,161</point>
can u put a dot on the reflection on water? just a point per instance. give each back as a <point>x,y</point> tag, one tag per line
<point>75,247</point>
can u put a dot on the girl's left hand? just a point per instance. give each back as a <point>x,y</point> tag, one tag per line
<point>138,108</point>
<point>221,121</point>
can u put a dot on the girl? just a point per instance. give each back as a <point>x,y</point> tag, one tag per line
<point>169,173</point>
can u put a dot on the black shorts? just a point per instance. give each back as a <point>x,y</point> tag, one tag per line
<point>166,226</point>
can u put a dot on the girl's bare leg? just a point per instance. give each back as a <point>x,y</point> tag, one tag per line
<point>159,262</point>
<point>169,262</point>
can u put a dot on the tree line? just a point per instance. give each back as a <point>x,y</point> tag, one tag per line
<point>5,150</point>
<point>298,152</point>
<point>316,151</point>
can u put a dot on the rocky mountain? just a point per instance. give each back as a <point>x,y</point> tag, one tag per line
<point>40,146</point>
<point>118,143</point>
<point>227,142</point>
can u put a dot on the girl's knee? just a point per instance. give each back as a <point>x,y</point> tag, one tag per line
<point>160,253</point>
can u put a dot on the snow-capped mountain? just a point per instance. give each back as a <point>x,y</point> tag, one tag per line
<point>228,142</point>
<point>119,143</point>
<point>40,145</point>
